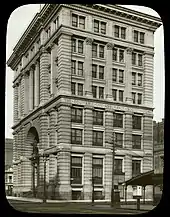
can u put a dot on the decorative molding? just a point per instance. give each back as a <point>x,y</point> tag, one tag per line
<point>89,41</point>
<point>129,50</point>
<point>109,46</point>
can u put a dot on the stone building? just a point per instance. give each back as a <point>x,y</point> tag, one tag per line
<point>83,73</point>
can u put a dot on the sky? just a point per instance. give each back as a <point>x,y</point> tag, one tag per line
<point>17,24</point>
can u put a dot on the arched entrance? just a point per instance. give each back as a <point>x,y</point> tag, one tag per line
<point>32,143</point>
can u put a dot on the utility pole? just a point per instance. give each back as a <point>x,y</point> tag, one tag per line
<point>44,196</point>
<point>113,159</point>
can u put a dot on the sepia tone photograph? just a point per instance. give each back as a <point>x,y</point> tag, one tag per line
<point>84,109</point>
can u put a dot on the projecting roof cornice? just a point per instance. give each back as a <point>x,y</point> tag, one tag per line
<point>41,18</point>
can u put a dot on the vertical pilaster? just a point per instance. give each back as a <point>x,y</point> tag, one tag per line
<point>88,125</point>
<point>37,84</point>
<point>53,68</point>
<point>31,89</point>
<point>108,176</point>
<point>109,128</point>
<point>15,103</point>
<point>87,188</point>
<point>19,100</point>
<point>22,96</point>
<point>88,67</point>
<point>26,93</point>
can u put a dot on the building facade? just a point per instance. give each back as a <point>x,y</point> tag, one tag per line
<point>83,79</point>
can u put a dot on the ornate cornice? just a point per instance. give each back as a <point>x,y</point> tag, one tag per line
<point>129,50</point>
<point>89,41</point>
<point>109,46</point>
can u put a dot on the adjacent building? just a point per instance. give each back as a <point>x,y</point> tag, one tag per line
<point>83,79</point>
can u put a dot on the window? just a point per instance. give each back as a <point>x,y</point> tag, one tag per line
<point>97,138</point>
<point>118,166</point>
<point>139,79</point>
<point>80,46</point>
<point>48,32</point>
<point>97,170</point>
<point>96,26</point>
<point>136,120</point>
<point>114,93</point>
<point>80,89</point>
<point>118,120</point>
<point>76,195</point>
<point>76,136</point>
<point>73,67</point>
<point>101,92</point>
<point>94,91</point>
<point>119,140</point>
<point>136,167</point>
<point>123,32</point>
<point>74,20</point>
<point>121,72</point>
<point>97,117</point>
<point>94,71</point>
<point>136,141</point>
<point>133,58</point>
<point>121,56</point>
<point>121,95</point>
<point>142,35</point>
<point>82,22</point>
<point>76,170</point>
<point>139,98</point>
<point>101,51</point>
<point>76,115</point>
<point>133,98</point>
<point>133,78</point>
<point>135,36</point>
<point>94,50</point>
<point>139,59</point>
<point>73,45</point>
<point>80,68</point>
<point>98,195</point>
<point>114,54</point>
<point>114,75</point>
<point>117,31</point>
<point>73,88</point>
<point>103,27</point>
<point>10,179</point>
<point>101,72</point>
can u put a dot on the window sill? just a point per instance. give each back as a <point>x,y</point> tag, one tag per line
<point>78,55</point>
<point>118,84</point>
<point>77,76</point>
<point>118,63</point>
<point>137,67</point>
<point>98,59</point>
<point>97,80</point>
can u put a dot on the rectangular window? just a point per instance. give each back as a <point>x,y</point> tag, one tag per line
<point>94,71</point>
<point>119,140</point>
<point>114,93</point>
<point>117,31</point>
<point>76,170</point>
<point>103,27</point>
<point>140,80</point>
<point>139,59</point>
<point>76,115</point>
<point>142,35</point>
<point>98,195</point>
<point>114,75</point>
<point>101,92</point>
<point>121,56</point>
<point>114,54</point>
<point>74,20</point>
<point>73,88</point>
<point>80,46</point>
<point>121,73</point>
<point>101,72</point>
<point>82,22</point>
<point>118,120</point>
<point>136,120</point>
<point>97,138</point>
<point>76,195</point>
<point>101,51</point>
<point>96,26</point>
<point>136,167</point>
<point>80,89</point>
<point>118,166</point>
<point>97,117</point>
<point>80,68</point>
<point>97,170</point>
<point>73,45</point>
<point>139,98</point>
<point>133,78</point>
<point>120,95</point>
<point>123,32</point>
<point>94,91</point>
<point>133,98</point>
<point>133,58</point>
<point>73,67</point>
<point>94,50</point>
<point>135,36</point>
<point>76,136</point>
<point>136,141</point>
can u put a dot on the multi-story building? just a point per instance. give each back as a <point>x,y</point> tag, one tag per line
<point>8,151</point>
<point>82,73</point>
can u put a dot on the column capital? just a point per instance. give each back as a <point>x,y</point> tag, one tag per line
<point>51,110</point>
<point>109,46</point>
<point>129,50</point>
<point>89,41</point>
<point>32,67</point>
<point>26,74</point>
<point>43,50</point>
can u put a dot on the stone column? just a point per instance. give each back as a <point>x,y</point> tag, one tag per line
<point>88,125</point>
<point>19,99</point>
<point>87,188</point>
<point>128,76</point>
<point>31,89</point>
<point>108,176</point>
<point>15,103</point>
<point>26,91</point>
<point>37,84</point>
<point>53,68</point>
<point>108,71</point>
<point>88,67</point>
<point>22,96</point>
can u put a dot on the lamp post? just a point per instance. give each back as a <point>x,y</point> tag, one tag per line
<point>44,193</point>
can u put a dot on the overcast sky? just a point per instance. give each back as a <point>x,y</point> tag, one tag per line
<point>20,19</point>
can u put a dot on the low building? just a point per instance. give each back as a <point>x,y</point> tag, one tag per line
<point>9,181</point>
